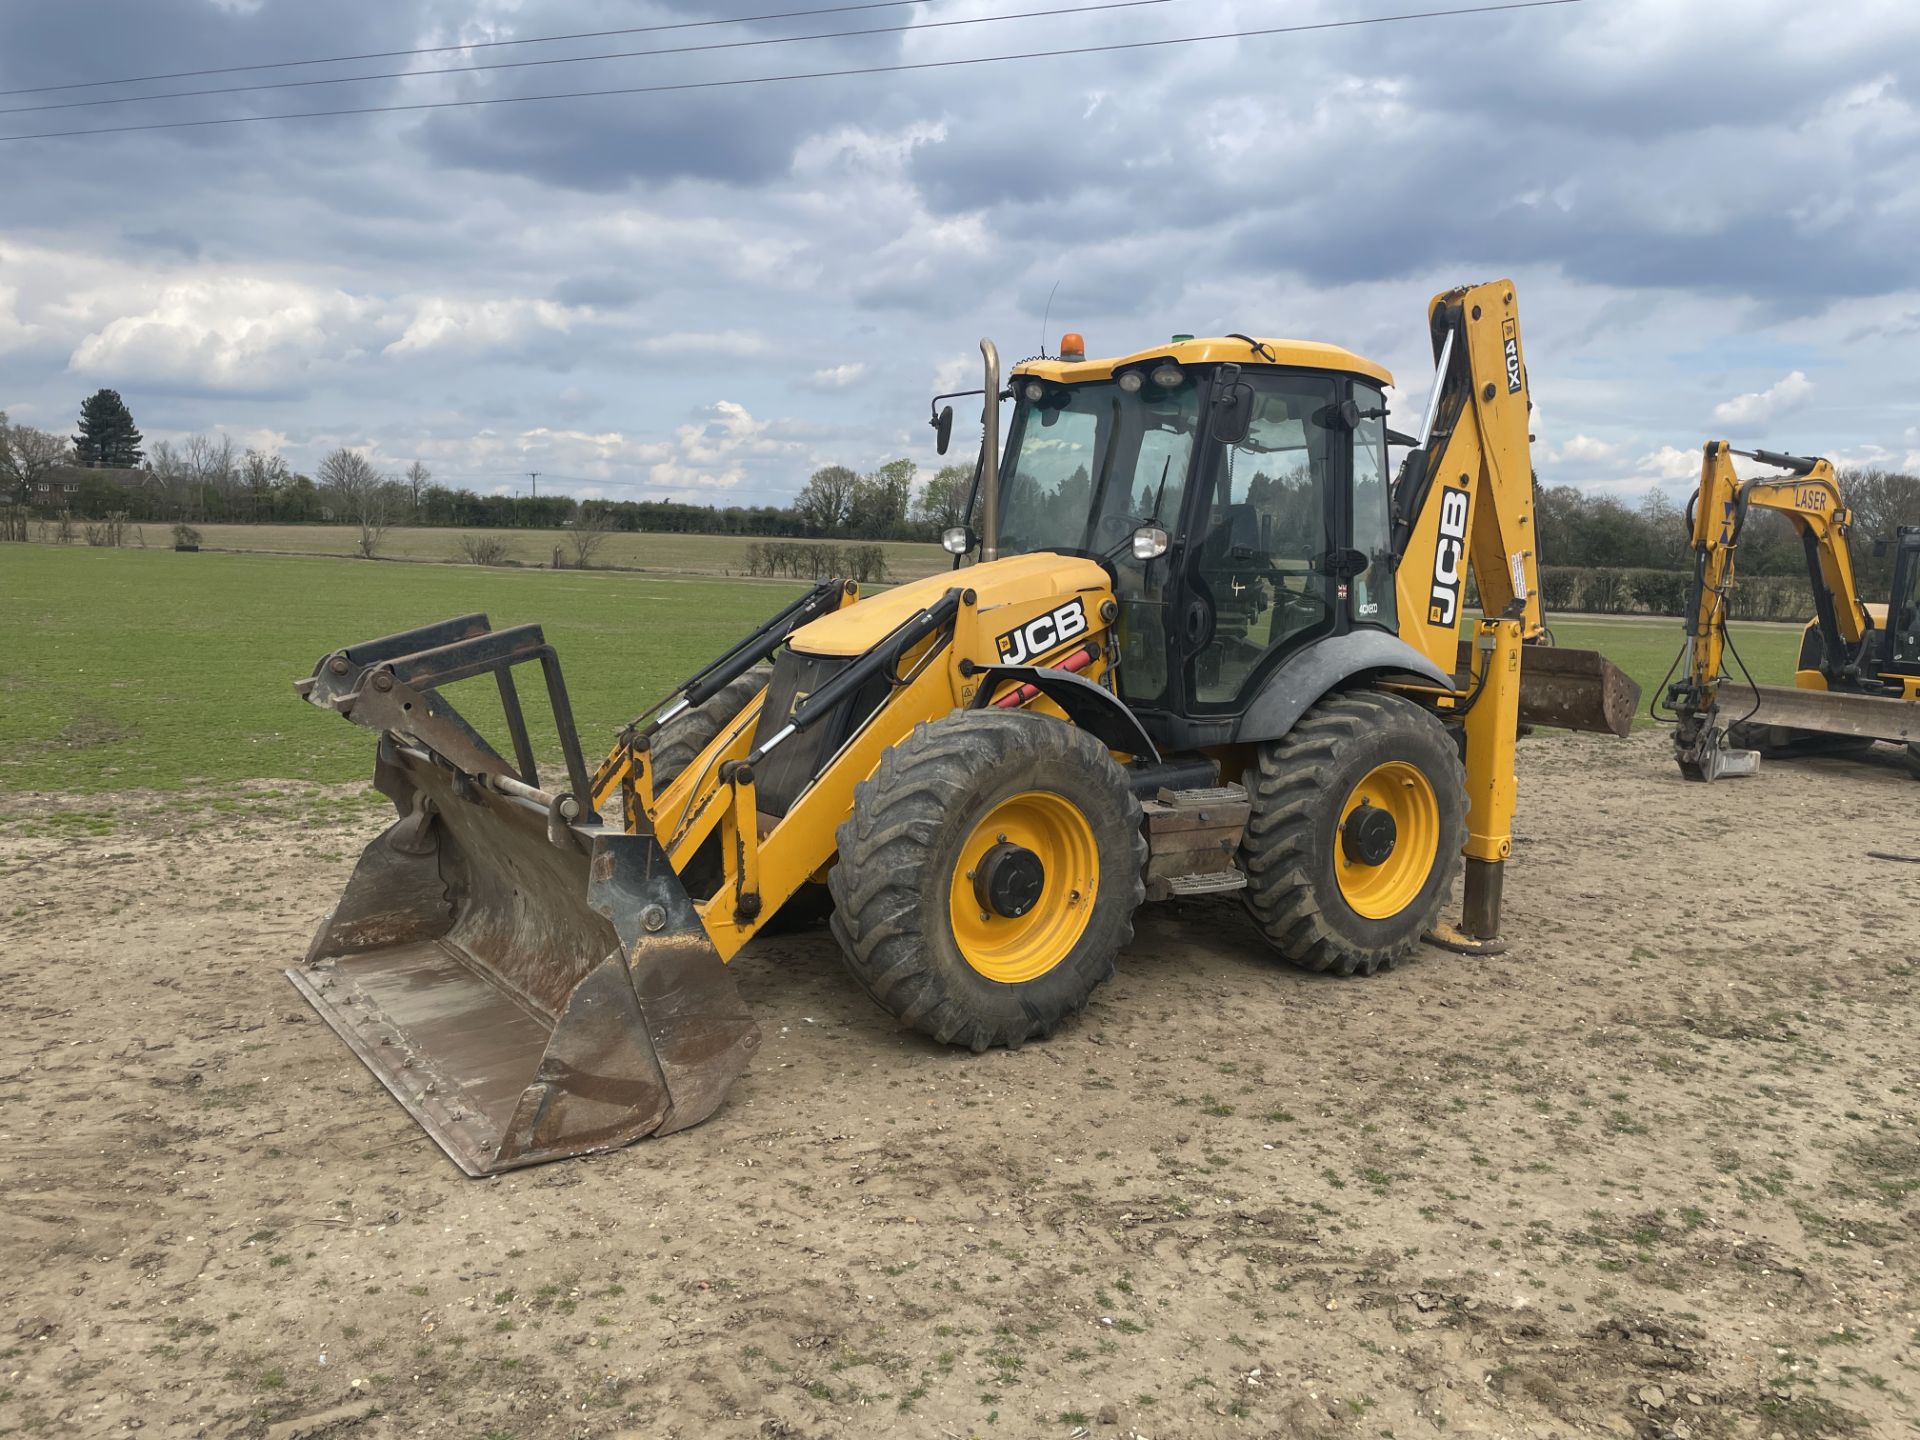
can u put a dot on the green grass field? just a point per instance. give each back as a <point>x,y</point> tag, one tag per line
<point>148,668</point>
<point>123,668</point>
<point>1645,645</point>
<point>670,554</point>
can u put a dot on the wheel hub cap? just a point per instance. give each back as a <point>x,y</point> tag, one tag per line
<point>1009,880</point>
<point>1367,837</point>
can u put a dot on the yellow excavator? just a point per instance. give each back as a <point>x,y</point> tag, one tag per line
<point>1201,642</point>
<point>1857,681</point>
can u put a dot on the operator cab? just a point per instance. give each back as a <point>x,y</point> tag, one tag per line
<point>1238,491</point>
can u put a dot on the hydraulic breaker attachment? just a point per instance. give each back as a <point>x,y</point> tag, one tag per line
<point>1703,751</point>
<point>529,983</point>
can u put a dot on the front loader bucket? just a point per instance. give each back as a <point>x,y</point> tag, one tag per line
<point>528,987</point>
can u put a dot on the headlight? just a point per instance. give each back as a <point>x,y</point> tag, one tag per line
<point>1035,392</point>
<point>1167,376</point>
<point>956,541</point>
<point>1131,382</point>
<point>1150,542</point>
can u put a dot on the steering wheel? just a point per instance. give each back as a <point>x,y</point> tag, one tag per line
<point>1112,528</point>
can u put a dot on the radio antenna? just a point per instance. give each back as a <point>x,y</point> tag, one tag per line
<point>1045,316</point>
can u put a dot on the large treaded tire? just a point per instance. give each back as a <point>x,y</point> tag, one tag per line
<point>1298,784</point>
<point>899,849</point>
<point>678,742</point>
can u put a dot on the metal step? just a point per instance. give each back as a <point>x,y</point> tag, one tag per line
<point>1212,882</point>
<point>1192,836</point>
<point>1198,799</point>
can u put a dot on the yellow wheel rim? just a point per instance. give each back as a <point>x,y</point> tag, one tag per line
<point>1016,948</point>
<point>1381,890</point>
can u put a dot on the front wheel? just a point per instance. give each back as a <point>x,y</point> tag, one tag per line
<point>988,876</point>
<point>1359,815</point>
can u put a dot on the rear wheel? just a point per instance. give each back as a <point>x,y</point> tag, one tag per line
<point>988,876</point>
<point>1359,813</point>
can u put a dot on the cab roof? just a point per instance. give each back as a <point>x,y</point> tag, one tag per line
<point>1213,350</point>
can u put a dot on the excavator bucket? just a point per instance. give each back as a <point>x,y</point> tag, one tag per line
<point>528,982</point>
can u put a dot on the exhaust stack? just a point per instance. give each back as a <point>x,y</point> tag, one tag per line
<point>990,456</point>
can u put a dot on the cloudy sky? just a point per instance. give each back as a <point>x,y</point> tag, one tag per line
<point>1712,210</point>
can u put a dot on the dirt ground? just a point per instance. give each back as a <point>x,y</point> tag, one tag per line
<point>1654,1172</point>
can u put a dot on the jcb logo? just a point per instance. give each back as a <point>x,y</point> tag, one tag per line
<point>1042,633</point>
<point>1449,559</point>
<point>1510,333</point>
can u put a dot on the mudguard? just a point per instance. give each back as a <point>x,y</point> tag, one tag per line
<point>1322,666</point>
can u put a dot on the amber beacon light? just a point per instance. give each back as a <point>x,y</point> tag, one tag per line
<point>1073,346</point>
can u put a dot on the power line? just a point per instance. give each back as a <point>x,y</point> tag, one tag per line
<point>758,41</point>
<point>901,68</point>
<point>473,45</point>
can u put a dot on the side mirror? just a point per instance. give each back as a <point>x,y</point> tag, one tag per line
<point>1231,414</point>
<point>1882,548</point>
<point>942,429</point>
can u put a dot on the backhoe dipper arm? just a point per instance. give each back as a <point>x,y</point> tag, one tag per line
<point>1464,500</point>
<point>1810,498</point>
<point>1464,495</point>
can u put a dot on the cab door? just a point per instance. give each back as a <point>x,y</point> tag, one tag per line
<point>1266,567</point>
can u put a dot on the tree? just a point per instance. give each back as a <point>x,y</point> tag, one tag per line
<point>26,455</point>
<point>210,470</point>
<point>107,436</point>
<point>1882,501</point>
<point>1668,534</point>
<point>880,500</point>
<point>359,493</point>
<point>826,502</point>
<point>942,501</point>
<point>417,477</point>
<point>262,474</point>
<point>589,533</point>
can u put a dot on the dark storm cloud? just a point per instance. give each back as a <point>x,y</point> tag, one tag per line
<point>1663,179</point>
<point>53,44</point>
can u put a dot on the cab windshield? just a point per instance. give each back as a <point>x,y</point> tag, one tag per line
<point>1089,463</point>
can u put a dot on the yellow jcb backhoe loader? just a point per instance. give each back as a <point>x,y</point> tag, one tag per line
<point>1858,677</point>
<point>1205,646</point>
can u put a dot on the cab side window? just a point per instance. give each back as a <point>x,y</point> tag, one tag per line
<point>1259,570</point>
<point>1371,594</point>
